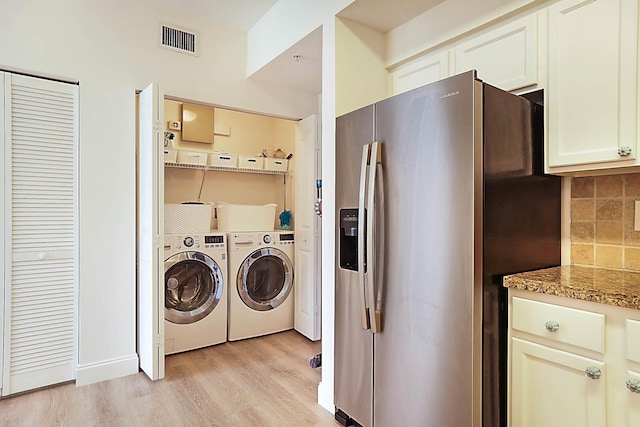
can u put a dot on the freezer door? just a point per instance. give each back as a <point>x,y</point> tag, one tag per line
<point>353,343</point>
<point>427,356</point>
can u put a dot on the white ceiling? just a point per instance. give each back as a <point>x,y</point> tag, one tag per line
<point>385,15</point>
<point>305,74</point>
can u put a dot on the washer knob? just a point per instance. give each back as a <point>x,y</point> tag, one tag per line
<point>266,239</point>
<point>188,241</point>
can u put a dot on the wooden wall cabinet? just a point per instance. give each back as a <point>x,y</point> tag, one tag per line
<point>419,72</point>
<point>592,85</point>
<point>505,57</point>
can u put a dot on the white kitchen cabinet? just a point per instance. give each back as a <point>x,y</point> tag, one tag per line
<point>419,72</point>
<point>505,56</point>
<point>592,85</point>
<point>553,340</point>
<point>546,382</point>
<point>40,222</point>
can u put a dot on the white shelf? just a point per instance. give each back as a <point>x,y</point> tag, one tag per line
<point>224,169</point>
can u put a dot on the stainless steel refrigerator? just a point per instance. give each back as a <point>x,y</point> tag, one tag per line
<point>440,192</point>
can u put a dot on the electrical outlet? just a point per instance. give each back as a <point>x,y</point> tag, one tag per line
<point>175,125</point>
<point>636,222</point>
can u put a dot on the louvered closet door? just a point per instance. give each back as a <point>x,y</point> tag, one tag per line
<point>41,142</point>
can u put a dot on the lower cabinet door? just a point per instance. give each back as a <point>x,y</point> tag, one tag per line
<point>552,388</point>
<point>633,398</point>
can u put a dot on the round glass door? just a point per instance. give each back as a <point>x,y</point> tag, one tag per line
<point>265,279</point>
<point>193,287</point>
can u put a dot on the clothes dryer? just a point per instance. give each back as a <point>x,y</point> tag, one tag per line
<point>261,267</point>
<point>195,274</point>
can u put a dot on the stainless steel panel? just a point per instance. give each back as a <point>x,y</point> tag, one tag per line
<point>424,356</point>
<point>521,225</point>
<point>353,345</point>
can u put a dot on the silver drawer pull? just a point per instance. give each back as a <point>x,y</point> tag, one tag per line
<point>593,372</point>
<point>552,326</point>
<point>633,385</point>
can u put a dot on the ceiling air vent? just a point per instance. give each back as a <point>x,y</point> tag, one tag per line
<point>179,39</point>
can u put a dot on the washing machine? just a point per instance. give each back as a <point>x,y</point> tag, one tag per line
<point>261,297</point>
<point>195,283</point>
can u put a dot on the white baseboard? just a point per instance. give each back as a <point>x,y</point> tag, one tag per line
<point>106,370</point>
<point>325,397</point>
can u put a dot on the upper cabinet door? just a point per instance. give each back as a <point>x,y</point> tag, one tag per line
<point>420,72</point>
<point>592,87</point>
<point>505,57</point>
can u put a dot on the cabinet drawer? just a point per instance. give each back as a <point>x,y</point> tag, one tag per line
<point>576,327</point>
<point>633,340</point>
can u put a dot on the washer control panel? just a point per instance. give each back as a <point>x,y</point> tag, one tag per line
<point>190,242</point>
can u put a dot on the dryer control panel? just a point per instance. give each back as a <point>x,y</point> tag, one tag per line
<point>214,241</point>
<point>278,239</point>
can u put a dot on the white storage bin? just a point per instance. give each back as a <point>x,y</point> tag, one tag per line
<point>246,217</point>
<point>170,155</point>
<point>187,218</point>
<point>276,164</point>
<point>226,160</point>
<point>250,162</point>
<point>192,157</point>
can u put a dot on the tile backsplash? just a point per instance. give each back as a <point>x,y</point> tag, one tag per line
<point>602,215</point>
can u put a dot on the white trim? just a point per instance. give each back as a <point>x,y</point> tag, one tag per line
<point>106,370</point>
<point>325,397</point>
<point>47,76</point>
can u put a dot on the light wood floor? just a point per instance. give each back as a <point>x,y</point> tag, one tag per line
<point>265,381</point>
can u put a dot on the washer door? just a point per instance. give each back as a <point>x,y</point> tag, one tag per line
<point>265,279</point>
<point>193,287</point>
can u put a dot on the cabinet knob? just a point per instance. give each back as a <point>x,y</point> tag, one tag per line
<point>593,372</point>
<point>633,385</point>
<point>552,326</point>
<point>624,151</point>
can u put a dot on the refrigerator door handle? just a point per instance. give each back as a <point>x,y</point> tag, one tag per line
<point>361,236</point>
<point>373,271</point>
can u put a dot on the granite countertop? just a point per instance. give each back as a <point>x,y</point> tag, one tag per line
<point>602,285</point>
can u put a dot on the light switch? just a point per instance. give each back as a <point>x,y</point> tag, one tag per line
<point>636,222</point>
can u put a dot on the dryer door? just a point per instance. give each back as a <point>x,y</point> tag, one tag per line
<point>265,279</point>
<point>193,287</point>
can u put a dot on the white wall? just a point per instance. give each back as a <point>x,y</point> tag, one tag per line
<point>284,25</point>
<point>448,20</point>
<point>111,48</point>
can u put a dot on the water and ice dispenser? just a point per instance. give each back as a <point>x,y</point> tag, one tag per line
<point>349,239</point>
